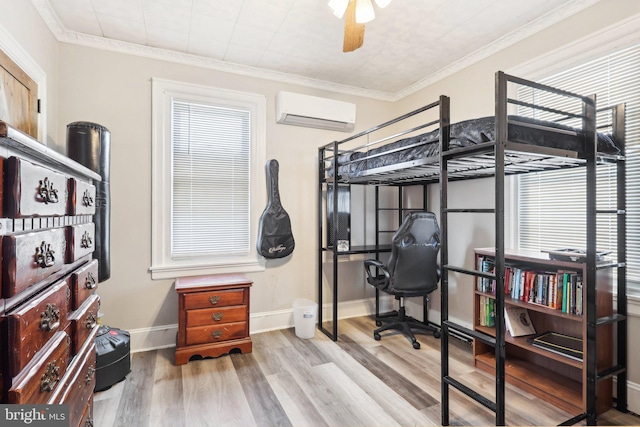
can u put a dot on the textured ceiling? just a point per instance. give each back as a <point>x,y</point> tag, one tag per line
<point>410,43</point>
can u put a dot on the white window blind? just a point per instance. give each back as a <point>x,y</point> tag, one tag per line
<point>211,148</point>
<point>551,205</point>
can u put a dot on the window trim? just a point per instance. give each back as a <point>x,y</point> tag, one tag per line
<point>162,92</point>
<point>610,39</point>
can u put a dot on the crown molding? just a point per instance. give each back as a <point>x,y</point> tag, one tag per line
<point>63,35</point>
<point>545,21</point>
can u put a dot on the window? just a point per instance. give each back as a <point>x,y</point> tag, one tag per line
<point>208,158</point>
<point>551,205</point>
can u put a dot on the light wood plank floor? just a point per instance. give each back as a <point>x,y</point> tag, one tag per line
<point>287,381</point>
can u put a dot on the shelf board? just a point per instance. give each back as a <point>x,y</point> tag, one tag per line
<point>560,391</point>
<point>523,343</point>
<point>534,307</point>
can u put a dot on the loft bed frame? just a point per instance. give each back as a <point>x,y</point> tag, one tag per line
<point>496,157</point>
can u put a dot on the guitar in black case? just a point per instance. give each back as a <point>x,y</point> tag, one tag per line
<point>275,239</point>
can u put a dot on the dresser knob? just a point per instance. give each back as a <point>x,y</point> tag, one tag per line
<point>44,255</point>
<point>87,200</point>
<point>90,372</point>
<point>217,316</point>
<point>214,299</point>
<point>91,320</point>
<point>90,282</point>
<point>50,378</point>
<point>50,318</point>
<point>46,193</point>
<point>216,334</point>
<point>86,241</point>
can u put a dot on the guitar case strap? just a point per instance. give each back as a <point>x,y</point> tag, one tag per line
<point>275,238</point>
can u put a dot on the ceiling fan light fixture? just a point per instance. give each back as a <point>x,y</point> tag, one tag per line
<point>364,11</point>
<point>338,7</point>
<point>382,3</point>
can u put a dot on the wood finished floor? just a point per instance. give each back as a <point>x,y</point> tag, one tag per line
<point>287,381</point>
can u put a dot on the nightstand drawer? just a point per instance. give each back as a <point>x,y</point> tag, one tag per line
<point>213,299</point>
<point>216,333</point>
<point>212,316</point>
<point>31,325</point>
<point>32,190</point>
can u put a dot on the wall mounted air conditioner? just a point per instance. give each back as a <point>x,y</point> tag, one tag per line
<point>315,112</point>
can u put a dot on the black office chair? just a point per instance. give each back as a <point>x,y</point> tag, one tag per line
<point>412,271</point>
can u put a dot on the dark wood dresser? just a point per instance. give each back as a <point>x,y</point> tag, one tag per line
<point>213,316</point>
<point>48,301</point>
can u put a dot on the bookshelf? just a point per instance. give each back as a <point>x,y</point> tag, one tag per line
<point>557,379</point>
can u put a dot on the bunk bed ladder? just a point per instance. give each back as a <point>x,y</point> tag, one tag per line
<point>449,327</point>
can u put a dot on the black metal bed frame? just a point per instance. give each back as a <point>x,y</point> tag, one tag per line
<point>497,159</point>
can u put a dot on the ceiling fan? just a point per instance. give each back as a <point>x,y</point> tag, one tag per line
<point>357,13</point>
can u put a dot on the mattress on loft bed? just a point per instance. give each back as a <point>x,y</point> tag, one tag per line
<point>463,134</point>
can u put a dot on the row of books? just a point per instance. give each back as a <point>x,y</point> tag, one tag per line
<point>560,290</point>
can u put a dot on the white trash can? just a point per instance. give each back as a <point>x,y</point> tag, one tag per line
<point>304,317</point>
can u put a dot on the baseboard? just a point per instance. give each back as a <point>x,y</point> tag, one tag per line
<point>145,339</point>
<point>633,396</point>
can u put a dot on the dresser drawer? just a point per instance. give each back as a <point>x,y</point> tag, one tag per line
<point>31,325</point>
<point>87,416</point>
<point>84,322</point>
<point>39,379</point>
<point>81,241</point>
<point>76,388</point>
<point>29,258</point>
<point>213,316</point>
<point>216,333</point>
<point>84,282</point>
<point>32,190</point>
<point>214,299</point>
<point>82,198</point>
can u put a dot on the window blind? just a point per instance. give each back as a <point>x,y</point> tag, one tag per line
<point>552,205</point>
<point>211,149</point>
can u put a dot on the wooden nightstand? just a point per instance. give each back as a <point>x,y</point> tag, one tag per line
<point>213,316</point>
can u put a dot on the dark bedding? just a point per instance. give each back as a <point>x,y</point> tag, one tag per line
<point>464,134</point>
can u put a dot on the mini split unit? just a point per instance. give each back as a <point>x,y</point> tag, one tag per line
<point>314,112</point>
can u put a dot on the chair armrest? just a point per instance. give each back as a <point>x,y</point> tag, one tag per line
<point>380,281</point>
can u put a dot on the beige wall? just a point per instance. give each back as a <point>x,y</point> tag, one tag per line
<point>115,90</point>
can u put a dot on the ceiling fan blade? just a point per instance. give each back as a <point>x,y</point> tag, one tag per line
<point>353,32</point>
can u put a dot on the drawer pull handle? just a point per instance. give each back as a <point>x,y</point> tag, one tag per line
<point>50,378</point>
<point>87,200</point>
<point>86,241</point>
<point>216,334</point>
<point>91,320</point>
<point>90,372</point>
<point>46,193</point>
<point>217,316</point>
<point>50,318</point>
<point>44,255</point>
<point>90,282</point>
<point>214,299</point>
<point>88,423</point>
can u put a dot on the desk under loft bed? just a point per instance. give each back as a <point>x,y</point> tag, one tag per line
<point>422,147</point>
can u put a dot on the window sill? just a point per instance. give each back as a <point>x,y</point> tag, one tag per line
<point>160,272</point>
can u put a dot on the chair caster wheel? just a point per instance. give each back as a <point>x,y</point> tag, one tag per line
<point>416,345</point>
<point>436,334</point>
<point>376,336</point>
<point>378,323</point>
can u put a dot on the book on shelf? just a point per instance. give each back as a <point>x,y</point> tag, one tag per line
<point>518,321</point>
<point>561,290</point>
<point>558,343</point>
